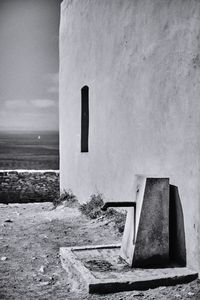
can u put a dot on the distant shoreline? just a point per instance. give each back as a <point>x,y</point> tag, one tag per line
<point>28,131</point>
<point>29,150</point>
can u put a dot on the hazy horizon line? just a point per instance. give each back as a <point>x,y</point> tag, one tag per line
<point>29,130</point>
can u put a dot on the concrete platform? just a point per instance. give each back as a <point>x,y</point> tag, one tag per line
<point>101,270</point>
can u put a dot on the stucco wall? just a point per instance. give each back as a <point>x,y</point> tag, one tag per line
<point>141,61</point>
<point>28,186</point>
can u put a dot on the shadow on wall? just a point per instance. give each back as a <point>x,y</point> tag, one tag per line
<point>177,249</point>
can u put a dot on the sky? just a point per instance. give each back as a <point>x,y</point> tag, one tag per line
<point>29,64</point>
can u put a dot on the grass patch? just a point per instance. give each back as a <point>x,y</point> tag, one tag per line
<point>92,209</point>
<point>67,198</point>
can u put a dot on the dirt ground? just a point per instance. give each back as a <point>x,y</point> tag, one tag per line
<point>30,238</point>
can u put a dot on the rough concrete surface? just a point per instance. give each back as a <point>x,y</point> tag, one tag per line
<point>152,237</point>
<point>102,271</point>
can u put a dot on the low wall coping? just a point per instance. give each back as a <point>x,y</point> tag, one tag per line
<point>30,171</point>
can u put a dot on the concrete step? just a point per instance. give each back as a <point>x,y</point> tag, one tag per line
<point>100,270</point>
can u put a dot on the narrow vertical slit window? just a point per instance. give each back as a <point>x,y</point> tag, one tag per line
<point>84,118</point>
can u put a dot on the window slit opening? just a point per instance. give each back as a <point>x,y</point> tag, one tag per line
<point>84,118</point>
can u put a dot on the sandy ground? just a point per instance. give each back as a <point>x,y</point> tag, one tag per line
<point>30,268</point>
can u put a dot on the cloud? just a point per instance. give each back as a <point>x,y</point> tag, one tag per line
<point>30,114</point>
<point>15,104</point>
<point>20,120</point>
<point>52,90</point>
<point>29,104</point>
<point>52,82</point>
<point>43,103</point>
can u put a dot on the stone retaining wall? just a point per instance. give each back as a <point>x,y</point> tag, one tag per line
<point>22,186</point>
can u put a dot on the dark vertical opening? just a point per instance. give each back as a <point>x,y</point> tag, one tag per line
<point>84,118</point>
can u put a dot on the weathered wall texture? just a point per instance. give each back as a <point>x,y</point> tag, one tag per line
<point>141,61</point>
<point>30,186</point>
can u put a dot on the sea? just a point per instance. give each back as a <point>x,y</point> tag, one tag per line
<point>29,150</point>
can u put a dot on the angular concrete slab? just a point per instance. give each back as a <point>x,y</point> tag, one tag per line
<point>145,240</point>
<point>102,271</point>
<point>152,240</point>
